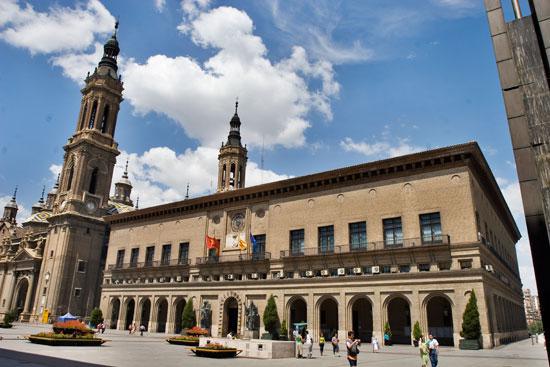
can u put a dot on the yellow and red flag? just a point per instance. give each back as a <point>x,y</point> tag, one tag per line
<point>213,243</point>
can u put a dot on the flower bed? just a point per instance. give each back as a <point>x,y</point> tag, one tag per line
<point>196,331</point>
<point>55,339</point>
<point>214,350</point>
<point>72,327</point>
<point>191,341</point>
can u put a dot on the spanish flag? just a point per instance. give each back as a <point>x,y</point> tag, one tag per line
<point>242,244</point>
<point>213,243</point>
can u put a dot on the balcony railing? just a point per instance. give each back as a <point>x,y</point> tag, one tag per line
<point>149,264</point>
<point>233,258</point>
<point>367,247</point>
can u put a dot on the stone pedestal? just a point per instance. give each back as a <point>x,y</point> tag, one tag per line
<point>251,334</point>
<point>255,348</point>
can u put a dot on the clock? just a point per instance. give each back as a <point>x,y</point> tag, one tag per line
<point>237,222</point>
<point>91,206</point>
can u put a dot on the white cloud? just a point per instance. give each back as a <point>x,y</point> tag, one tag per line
<point>60,29</point>
<point>22,212</point>
<point>159,5</point>
<point>160,175</point>
<point>382,148</point>
<point>76,65</point>
<point>275,97</point>
<point>512,194</point>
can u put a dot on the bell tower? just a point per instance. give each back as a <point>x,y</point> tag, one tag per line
<point>232,158</point>
<point>70,274</point>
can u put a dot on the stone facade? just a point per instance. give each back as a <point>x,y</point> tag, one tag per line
<point>397,241</point>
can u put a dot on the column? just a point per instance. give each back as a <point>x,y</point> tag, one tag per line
<point>342,330</point>
<point>416,310</point>
<point>377,317</point>
<point>170,316</point>
<point>28,297</point>
<point>152,327</point>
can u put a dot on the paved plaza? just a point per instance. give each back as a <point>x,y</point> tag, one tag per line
<point>151,350</point>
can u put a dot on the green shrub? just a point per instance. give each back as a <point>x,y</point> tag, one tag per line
<point>284,330</point>
<point>271,317</point>
<point>188,318</point>
<point>96,317</point>
<point>10,317</point>
<point>387,329</point>
<point>536,327</point>
<point>417,331</point>
<point>471,328</point>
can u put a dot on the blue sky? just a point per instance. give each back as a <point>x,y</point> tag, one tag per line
<point>321,84</point>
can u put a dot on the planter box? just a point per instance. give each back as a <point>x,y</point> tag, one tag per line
<point>6,326</point>
<point>189,343</point>
<point>74,342</point>
<point>216,353</point>
<point>468,344</point>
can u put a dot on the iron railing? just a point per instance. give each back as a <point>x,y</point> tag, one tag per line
<point>150,264</point>
<point>233,258</point>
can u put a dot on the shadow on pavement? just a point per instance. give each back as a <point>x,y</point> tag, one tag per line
<point>43,360</point>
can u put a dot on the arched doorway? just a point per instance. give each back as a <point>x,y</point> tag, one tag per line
<point>180,305</point>
<point>361,319</point>
<point>145,313</point>
<point>130,307</point>
<point>328,317</point>
<point>115,312</point>
<point>440,320</point>
<point>297,313</point>
<point>162,314</point>
<point>399,318</point>
<point>230,316</point>
<point>21,296</point>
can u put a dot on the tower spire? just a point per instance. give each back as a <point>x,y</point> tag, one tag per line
<point>42,196</point>
<point>10,209</point>
<point>187,192</point>
<point>14,197</point>
<point>137,202</point>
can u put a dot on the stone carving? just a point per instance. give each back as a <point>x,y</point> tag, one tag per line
<point>206,315</point>
<point>252,317</point>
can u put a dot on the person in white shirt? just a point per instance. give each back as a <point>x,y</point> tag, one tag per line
<point>309,344</point>
<point>433,346</point>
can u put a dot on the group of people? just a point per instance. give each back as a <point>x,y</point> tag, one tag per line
<point>133,328</point>
<point>429,347</point>
<point>101,327</point>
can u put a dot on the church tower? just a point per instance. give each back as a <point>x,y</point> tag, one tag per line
<point>10,209</point>
<point>123,189</point>
<point>232,158</point>
<point>70,272</point>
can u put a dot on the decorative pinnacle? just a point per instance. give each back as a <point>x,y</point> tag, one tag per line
<point>14,194</point>
<point>125,174</point>
<point>236,104</point>
<point>116,25</point>
<point>42,196</point>
<point>187,192</point>
<point>56,186</point>
<point>137,202</point>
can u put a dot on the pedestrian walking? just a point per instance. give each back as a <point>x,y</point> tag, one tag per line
<point>321,343</point>
<point>352,346</point>
<point>335,344</point>
<point>130,329</point>
<point>299,347</point>
<point>309,345</point>
<point>424,351</point>
<point>433,347</point>
<point>375,345</point>
<point>141,330</point>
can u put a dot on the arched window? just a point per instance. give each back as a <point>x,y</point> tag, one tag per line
<point>92,116</point>
<point>93,181</point>
<point>232,176</point>
<point>224,169</point>
<point>83,118</point>
<point>240,178</point>
<point>104,119</point>
<point>70,179</point>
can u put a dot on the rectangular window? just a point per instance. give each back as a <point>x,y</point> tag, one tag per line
<point>44,291</point>
<point>430,228</point>
<point>134,257</point>
<point>120,258</point>
<point>385,269</point>
<point>465,264</point>
<point>213,255</point>
<point>149,255</point>
<point>183,256</point>
<point>393,232</point>
<point>258,251</point>
<point>326,239</point>
<point>358,236</point>
<point>446,265</point>
<point>404,268</point>
<point>77,292</point>
<point>51,254</point>
<point>423,267</point>
<point>166,252</point>
<point>297,242</point>
<point>81,268</point>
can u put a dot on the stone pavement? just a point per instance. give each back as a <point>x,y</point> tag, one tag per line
<point>125,350</point>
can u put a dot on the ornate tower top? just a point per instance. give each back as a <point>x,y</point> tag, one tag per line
<point>123,189</point>
<point>39,205</point>
<point>10,209</point>
<point>232,158</point>
<point>110,53</point>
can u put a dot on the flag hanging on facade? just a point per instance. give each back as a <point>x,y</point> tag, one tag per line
<point>213,243</point>
<point>254,244</point>
<point>242,244</point>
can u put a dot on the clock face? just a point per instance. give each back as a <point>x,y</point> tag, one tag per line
<point>91,206</point>
<point>237,222</point>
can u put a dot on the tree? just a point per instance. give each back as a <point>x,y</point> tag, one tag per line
<point>536,327</point>
<point>271,317</point>
<point>471,328</point>
<point>284,330</point>
<point>387,329</point>
<point>417,331</point>
<point>96,317</point>
<point>188,319</point>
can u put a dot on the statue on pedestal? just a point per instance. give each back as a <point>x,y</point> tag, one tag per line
<point>206,315</point>
<point>252,317</point>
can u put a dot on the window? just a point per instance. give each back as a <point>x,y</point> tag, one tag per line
<point>93,181</point>
<point>51,254</point>
<point>213,255</point>
<point>119,258</point>
<point>404,268</point>
<point>423,267</point>
<point>393,232</point>
<point>92,116</point>
<point>81,266</point>
<point>149,254</point>
<point>83,116</point>
<point>134,257</point>
<point>487,239</point>
<point>358,236</point>
<point>184,253</point>
<point>104,119</point>
<point>297,242</point>
<point>70,179</point>
<point>258,251</point>
<point>326,239</point>
<point>166,251</point>
<point>385,269</point>
<point>44,290</point>
<point>465,264</point>
<point>430,228</point>
<point>77,292</point>
<point>446,265</point>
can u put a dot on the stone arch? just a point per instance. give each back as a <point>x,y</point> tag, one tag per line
<point>21,295</point>
<point>114,312</point>
<point>327,318</point>
<point>360,317</point>
<point>398,315</point>
<point>130,307</point>
<point>296,311</point>
<point>222,319</point>
<point>161,314</point>
<point>145,312</point>
<point>178,305</point>
<point>438,308</point>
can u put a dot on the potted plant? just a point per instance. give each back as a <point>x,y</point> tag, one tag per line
<point>67,333</point>
<point>417,333</point>
<point>188,319</point>
<point>471,328</point>
<point>215,350</point>
<point>283,334</point>
<point>271,319</point>
<point>191,337</point>
<point>387,334</point>
<point>9,318</point>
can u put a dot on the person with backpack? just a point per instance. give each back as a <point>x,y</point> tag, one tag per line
<point>352,348</point>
